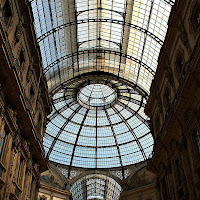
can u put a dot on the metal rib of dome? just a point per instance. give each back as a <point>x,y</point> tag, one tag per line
<point>120,38</point>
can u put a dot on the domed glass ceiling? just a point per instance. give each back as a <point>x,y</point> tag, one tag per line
<point>99,123</point>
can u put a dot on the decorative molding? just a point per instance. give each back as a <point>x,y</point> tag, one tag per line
<point>13,116</point>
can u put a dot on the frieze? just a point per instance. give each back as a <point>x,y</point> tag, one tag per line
<point>19,32</point>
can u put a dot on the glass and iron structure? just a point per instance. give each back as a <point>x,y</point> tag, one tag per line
<point>99,57</point>
<point>96,186</point>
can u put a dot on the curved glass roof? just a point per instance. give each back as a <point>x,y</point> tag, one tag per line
<point>99,122</point>
<point>122,37</point>
<point>96,186</point>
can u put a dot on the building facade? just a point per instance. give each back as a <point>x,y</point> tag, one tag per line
<point>24,104</point>
<point>173,107</point>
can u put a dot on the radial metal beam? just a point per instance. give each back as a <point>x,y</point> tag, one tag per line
<point>117,145</point>
<point>47,68</point>
<point>130,91</point>
<point>61,130</point>
<point>129,99</point>
<point>145,38</point>
<point>132,132</point>
<point>75,144</point>
<point>115,21</point>
<point>57,112</point>
<point>134,113</point>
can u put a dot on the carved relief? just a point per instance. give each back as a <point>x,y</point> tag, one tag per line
<point>36,168</point>
<point>17,141</point>
<point>25,146</point>
<point>8,14</point>
<point>18,33</point>
<point>2,106</point>
<point>29,73</point>
<point>29,164</point>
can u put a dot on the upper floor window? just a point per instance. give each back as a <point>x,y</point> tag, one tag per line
<point>2,141</point>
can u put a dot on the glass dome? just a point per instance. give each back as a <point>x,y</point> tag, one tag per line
<point>96,95</point>
<point>98,123</point>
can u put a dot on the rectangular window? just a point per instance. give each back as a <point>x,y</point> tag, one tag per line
<point>2,141</point>
<point>19,169</point>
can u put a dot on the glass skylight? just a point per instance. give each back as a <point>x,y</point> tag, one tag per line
<point>122,37</point>
<point>99,122</point>
<point>96,186</point>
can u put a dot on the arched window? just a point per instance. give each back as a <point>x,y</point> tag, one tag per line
<point>2,141</point>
